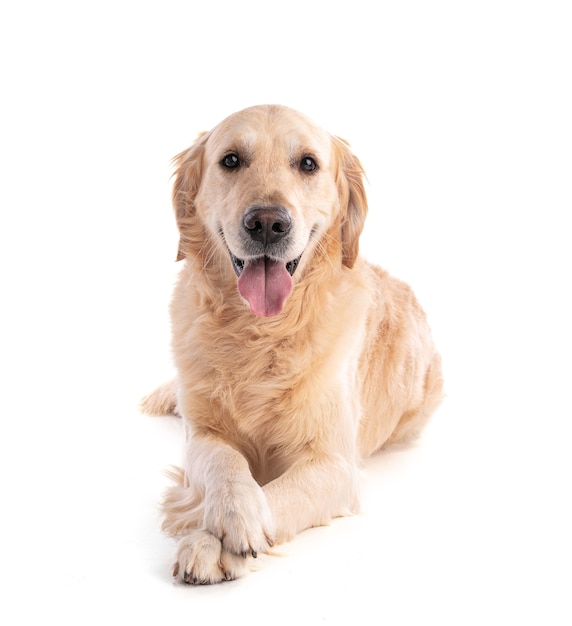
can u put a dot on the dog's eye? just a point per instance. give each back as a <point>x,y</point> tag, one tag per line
<point>230,161</point>
<point>307,164</point>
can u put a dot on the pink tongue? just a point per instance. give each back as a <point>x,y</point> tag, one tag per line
<point>265,284</point>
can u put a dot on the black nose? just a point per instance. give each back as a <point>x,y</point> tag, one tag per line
<point>267,224</point>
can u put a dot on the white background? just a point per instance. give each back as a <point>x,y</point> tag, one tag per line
<point>461,115</point>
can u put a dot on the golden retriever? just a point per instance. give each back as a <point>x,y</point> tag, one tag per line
<point>295,357</point>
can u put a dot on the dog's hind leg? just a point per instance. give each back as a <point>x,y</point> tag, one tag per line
<point>162,401</point>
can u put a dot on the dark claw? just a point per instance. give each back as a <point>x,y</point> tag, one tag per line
<point>254,554</point>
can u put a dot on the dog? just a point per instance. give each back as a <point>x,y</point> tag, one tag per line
<point>296,358</point>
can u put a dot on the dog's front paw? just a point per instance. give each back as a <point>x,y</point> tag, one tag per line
<point>240,517</point>
<point>202,560</point>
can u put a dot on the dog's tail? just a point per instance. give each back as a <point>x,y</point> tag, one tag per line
<point>183,506</point>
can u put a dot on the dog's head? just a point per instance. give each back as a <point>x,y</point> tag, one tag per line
<point>266,193</point>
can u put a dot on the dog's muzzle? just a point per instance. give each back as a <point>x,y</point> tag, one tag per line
<point>264,278</point>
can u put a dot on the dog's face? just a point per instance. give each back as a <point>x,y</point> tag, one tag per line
<point>266,187</point>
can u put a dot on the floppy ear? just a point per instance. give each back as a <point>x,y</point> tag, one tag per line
<point>188,172</point>
<point>353,200</point>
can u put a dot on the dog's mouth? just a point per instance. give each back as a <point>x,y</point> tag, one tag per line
<point>264,282</point>
<point>238,264</point>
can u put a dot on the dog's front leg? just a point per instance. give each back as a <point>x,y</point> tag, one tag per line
<point>310,494</point>
<point>237,521</point>
<point>236,510</point>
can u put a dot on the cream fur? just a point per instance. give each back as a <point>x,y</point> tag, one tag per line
<point>279,411</point>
